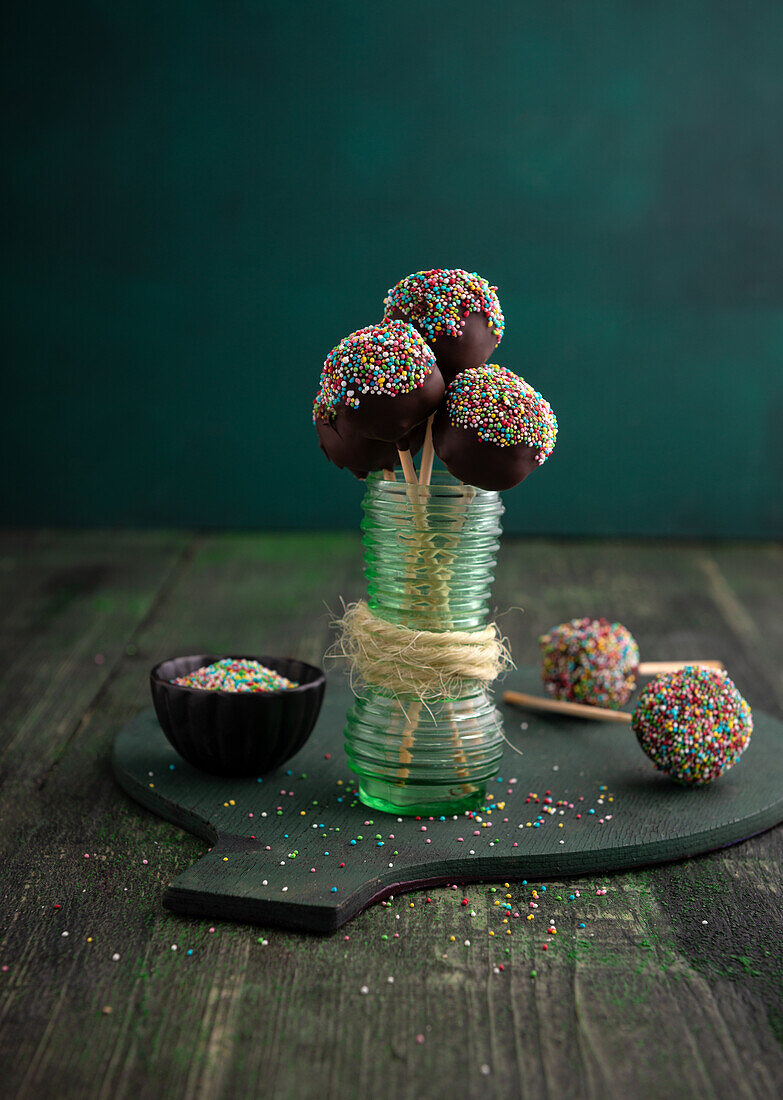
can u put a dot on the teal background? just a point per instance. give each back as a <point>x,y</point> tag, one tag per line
<point>200,199</point>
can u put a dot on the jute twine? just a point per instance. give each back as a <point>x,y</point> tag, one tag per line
<point>424,663</point>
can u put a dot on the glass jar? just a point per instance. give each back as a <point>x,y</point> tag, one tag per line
<point>429,560</point>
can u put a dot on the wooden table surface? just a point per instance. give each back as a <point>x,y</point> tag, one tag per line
<point>672,987</point>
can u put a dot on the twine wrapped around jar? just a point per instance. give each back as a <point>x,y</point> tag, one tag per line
<point>421,663</point>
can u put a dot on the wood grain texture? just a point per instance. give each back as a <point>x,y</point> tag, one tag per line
<point>644,1000</point>
<point>70,606</point>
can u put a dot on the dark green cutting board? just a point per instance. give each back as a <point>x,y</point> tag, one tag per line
<point>278,843</point>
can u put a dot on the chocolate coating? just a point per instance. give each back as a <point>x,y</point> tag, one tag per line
<point>485,465</point>
<point>389,417</point>
<point>454,354</point>
<point>349,450</point>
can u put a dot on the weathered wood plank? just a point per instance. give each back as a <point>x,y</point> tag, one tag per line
<point>746,583</point>
<point>236,592</point>
<point>661,593</point>
<point>72,604</point>
<point>668,599</point>
<point>633,1004</point>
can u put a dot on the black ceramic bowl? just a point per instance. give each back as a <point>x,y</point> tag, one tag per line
<point>236,733</point>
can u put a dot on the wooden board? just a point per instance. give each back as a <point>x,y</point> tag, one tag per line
<point>298,849</point>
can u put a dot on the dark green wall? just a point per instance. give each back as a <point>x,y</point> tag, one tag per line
<point>202,198</point>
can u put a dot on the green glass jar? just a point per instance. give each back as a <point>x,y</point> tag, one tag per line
<point>429,560</point>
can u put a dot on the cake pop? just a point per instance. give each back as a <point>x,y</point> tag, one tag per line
<point>347,449</point>
<point>596,662</point>
<point>589,661</point>
<point>693,724</point>
<point>382,381</point>
<point>493,429</point>
<point>457,312</point>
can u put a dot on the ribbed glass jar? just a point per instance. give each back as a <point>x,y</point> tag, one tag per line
<point>429,559</point>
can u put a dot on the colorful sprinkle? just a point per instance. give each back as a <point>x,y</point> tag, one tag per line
<point>438,301</point>
<point>589,661</point>
<point>235,674</point>
<point>693,724</point>
<point>388,359</point>
<point>502,409</point>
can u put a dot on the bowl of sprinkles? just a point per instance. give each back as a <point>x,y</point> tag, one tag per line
<point>237,716</point>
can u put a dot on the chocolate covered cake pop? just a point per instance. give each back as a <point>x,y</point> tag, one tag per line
<point>589,661</point>
<point>693,724</point>
<point>349,450</point>
<point>493,429</point>
<point>457,312</point>
<point>382,381</point>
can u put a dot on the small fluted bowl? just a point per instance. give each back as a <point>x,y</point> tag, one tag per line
<point>236,733</point>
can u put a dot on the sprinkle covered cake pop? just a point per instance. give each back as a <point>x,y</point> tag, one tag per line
<point>457,312</point>
<point>382,381</point>
<point>693,724</point>
<point>589,661</point>
<point>493,429</point>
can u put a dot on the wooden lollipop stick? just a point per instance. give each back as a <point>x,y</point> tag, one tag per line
<point>559,706</point>
<point>407,742</point>
<point>411,725</point>
<point>408,468</point>
<point>658,668</point>
<point>389,475</point>
<point>427,455</point>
